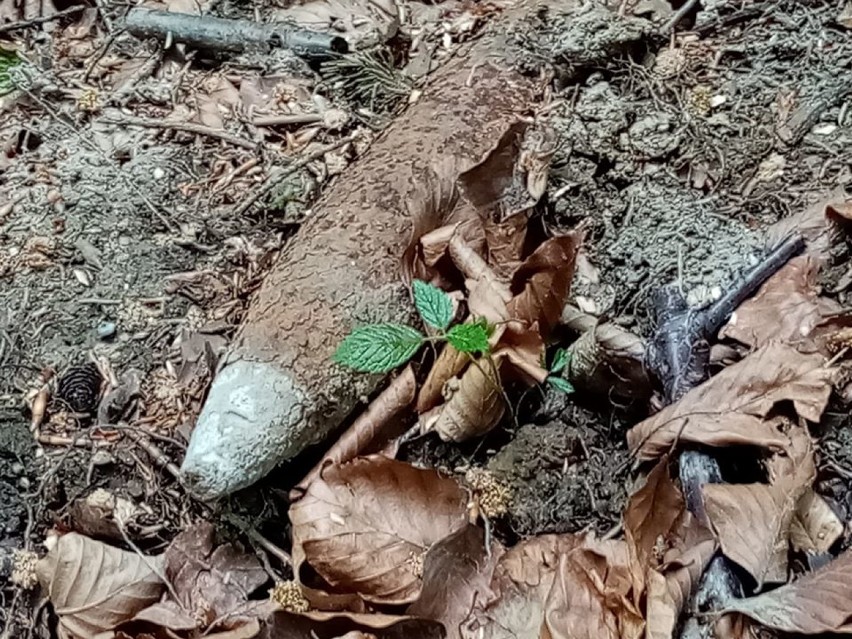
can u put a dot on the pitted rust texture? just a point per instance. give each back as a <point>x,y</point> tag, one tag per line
<point>343,267</point>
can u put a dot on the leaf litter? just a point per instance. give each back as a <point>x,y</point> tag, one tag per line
<point>379,535</point>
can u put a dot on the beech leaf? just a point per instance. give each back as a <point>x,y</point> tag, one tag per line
<point>815,527</point>
<point>475,402</point>
<point>733,407</point>
<point>820,602</point>
<point>94,587</point>
<point>753,521</point>
<point>310,625</point>
<point>365,526</point>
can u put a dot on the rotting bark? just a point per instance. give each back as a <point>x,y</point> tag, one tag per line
<point>219,34</point>
<point>277,391</point>
<point>678,355</point>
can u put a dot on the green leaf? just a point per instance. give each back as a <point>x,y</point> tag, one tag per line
<point>469,338</point>
<point>8,60</point>
<point>560,361</point>
<point>561,384</point>
<point>378,348</point>
<point>433,304</point>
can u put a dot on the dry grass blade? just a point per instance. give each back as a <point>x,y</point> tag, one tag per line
<point>732,408</point>
<point>94,587</point>
<point>365,526</point>
<point>475,403</point>
<point>753,521</point>
<point>787,308</point>
<point>817,603</point>
<point>374,427</point>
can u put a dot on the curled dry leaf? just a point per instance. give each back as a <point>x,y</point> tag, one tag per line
<point>520,585</point>
<point>669,550</point>
<point>448,364</point>
<point>542,283</point>
<point>310,625</point>
<point>362,22</point>
<point>591,597</point>
<point>94,587</point>
<point>457,574</point>
<point>815,526</point>
<point>364,526</point>
<point>820,602</point>
<point>606,359</point>
<point>753,521</point>
<point>213,584</point>
<point>733,407</point>
<point>787,308</point>
<point>488,296</point>
<point>475,402</point>
<point>820,224</point>
<point>373,428</point>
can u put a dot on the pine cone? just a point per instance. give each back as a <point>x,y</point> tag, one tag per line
<point>80,388</point>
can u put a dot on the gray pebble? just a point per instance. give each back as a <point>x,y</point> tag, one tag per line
<point>106,330</point>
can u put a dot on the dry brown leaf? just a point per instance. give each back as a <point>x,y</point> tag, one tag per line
<point>606,359</point>
<point>817,603</point>
<point>94,587</point>
<point>522,581</point>
<point>364,526</point>
<point>542,283</point>
<point>100,513</point>
<point>590,598</point>
<point>363,22</point>
<point>457,574</point>
<point>815,526</point>
<point>819,224</point>
<point>524,350</point>
<point>649,518</point>
<point>214,584</point>
<point>753,521</point>
<point>787,308</point>
<point>474,402</point>
<point>379,423</point>
<point>505,242</point>
<point>448,364</point>
<point>732,408</point>
<point>689,549</point>
<point>488,296</point>
<point>844,18</point>
<point>218,97</point>
<point>310,625</point>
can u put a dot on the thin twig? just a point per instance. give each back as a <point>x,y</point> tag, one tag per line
<point>147,560</point>
<point>679,15</point>
<point>23,24</point>
<point>271,181</point>
<point>189,127</point>
<point>278,120</point>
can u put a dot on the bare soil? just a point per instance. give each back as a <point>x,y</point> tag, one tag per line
<point>122,243</point>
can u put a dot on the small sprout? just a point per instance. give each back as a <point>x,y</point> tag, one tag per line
<point>469,338</point>
<point>561,384</point>
<point>24,569</point>
<point>288,595</point>
<point>492,495</point>
<point>433,304</point>
<point>560,361</point>
<point>378,348</point>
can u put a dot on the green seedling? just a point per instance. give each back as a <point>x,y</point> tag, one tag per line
<point>379,348</point>
<point>555,379</point>
<point>8,61</point>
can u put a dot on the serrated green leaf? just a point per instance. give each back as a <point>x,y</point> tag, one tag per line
<point>561,384</point>
<point>378,348</point>
<point>8,60</point>
<point>560,361</point>
<point>469,338</point>
<point>433,304</point>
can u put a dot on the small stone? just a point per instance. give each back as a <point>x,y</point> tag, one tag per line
<point>17,468</point>
<point>106,330</point>
<point>159,173</point>
<point>102,458</point>
<point>24,483</point>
